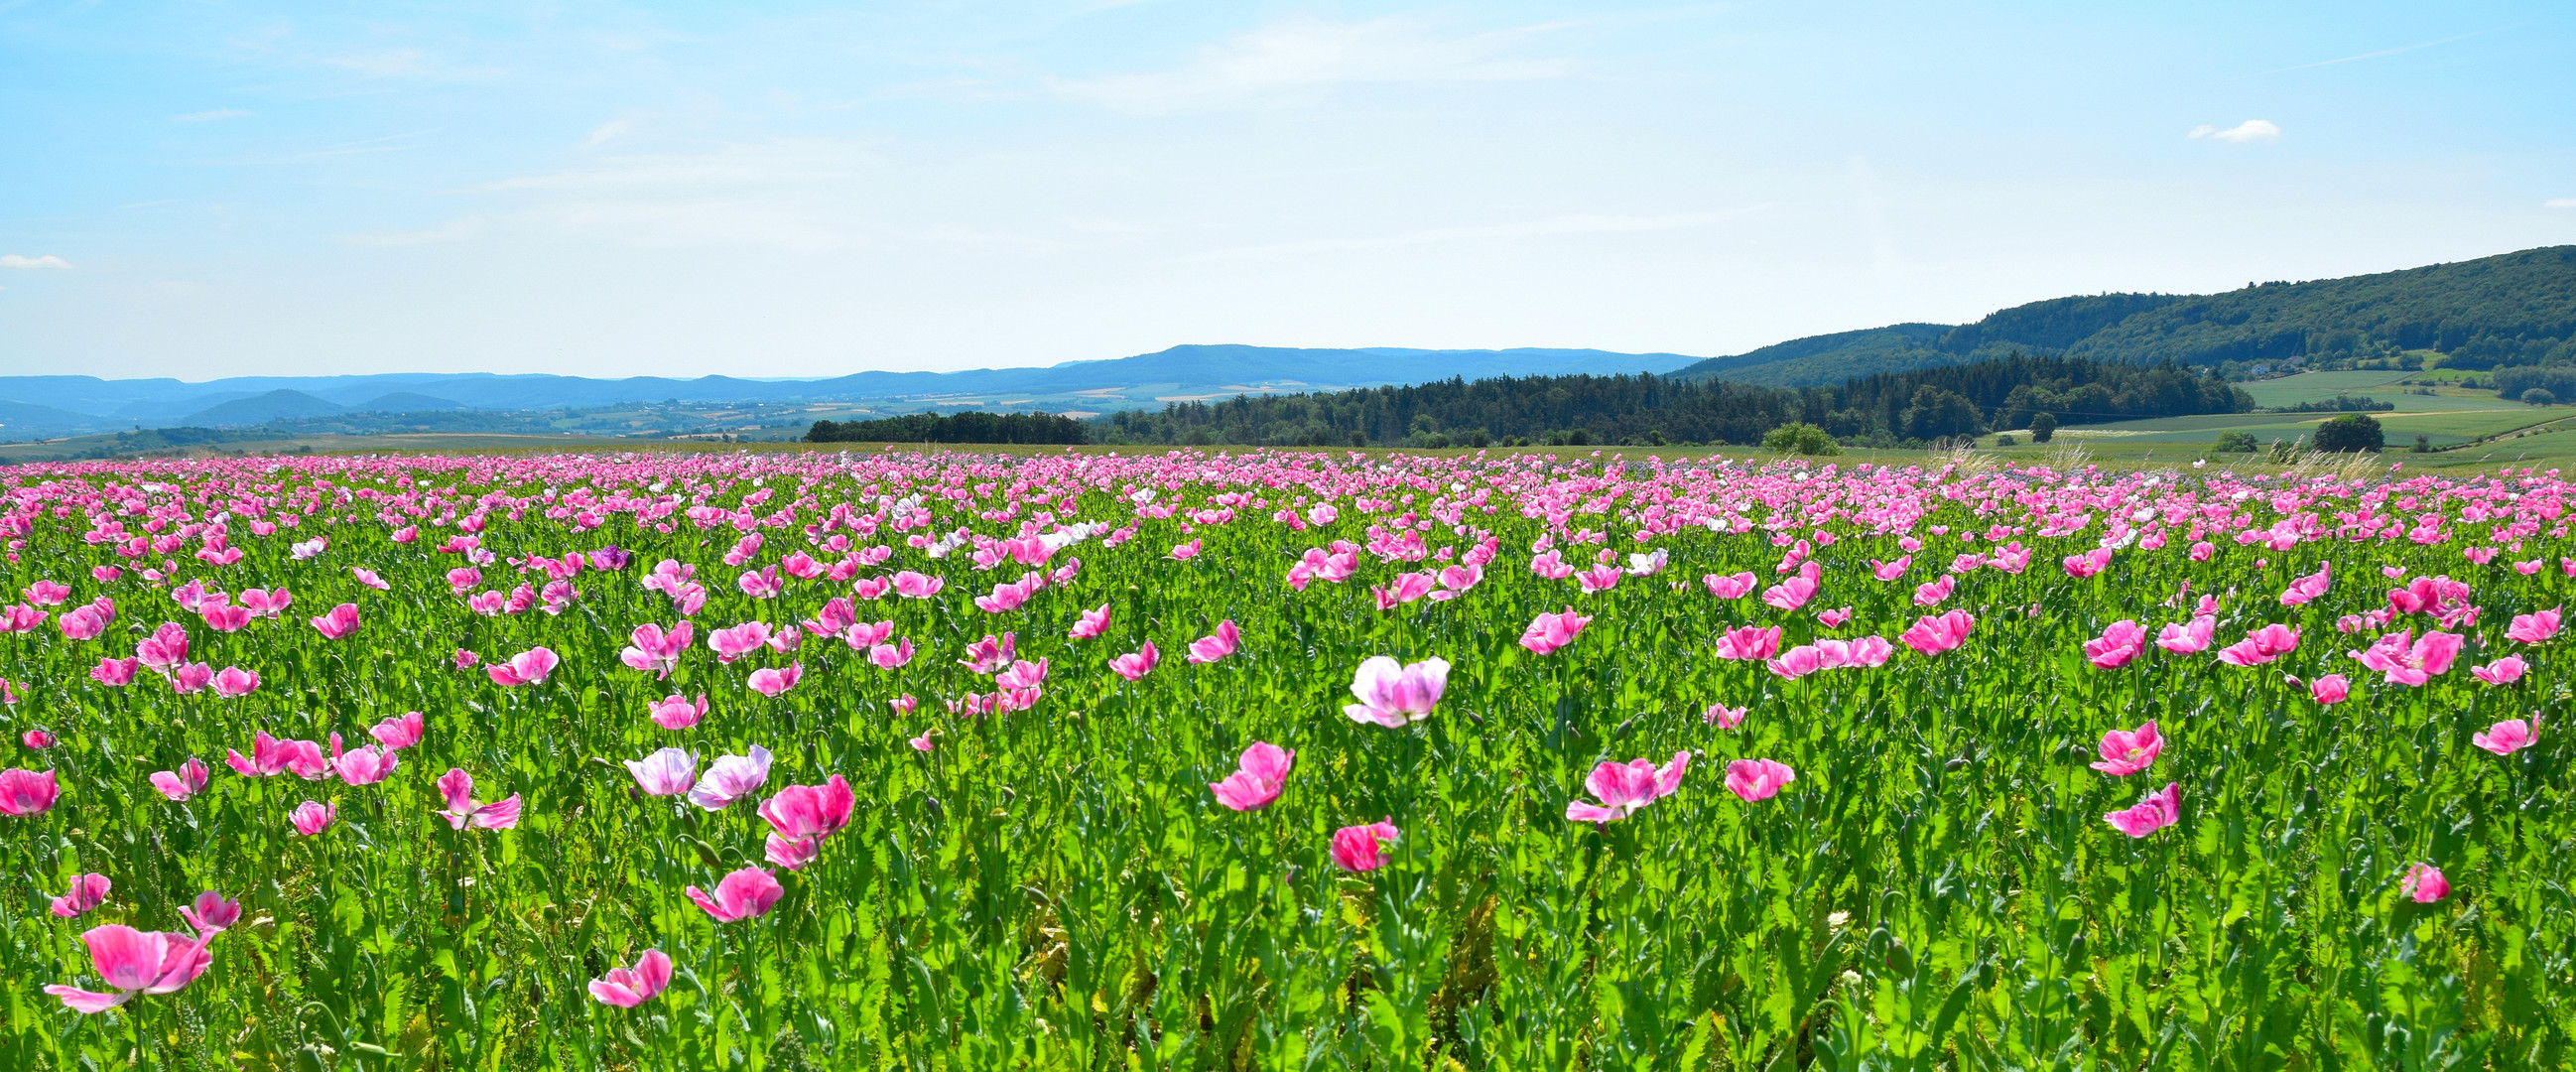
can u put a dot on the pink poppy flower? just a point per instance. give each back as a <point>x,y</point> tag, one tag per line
<point>2309,587</point>
<point>398,732</point>
<point>211,914</point>
<point>627,988</point>
<point>2261,646</point>
<point>2504,671</point>
<point>677,712</point>
<point>25,792</point>
<point>1393,696</point>
<point>731,778</point>
<point>271,756</point>
<point>2402,659</point>
<point>1933,593</point>
<point>1259,775</point>
<point>2126,752</point>
<point>1363,848</point>
<point>1757,779</point>
<point>1938,633</point>
<point>666,773</point>
<point>1724,717</point>
<point>37,739</point>
<point>135,962</point>
<point>367,765</point>
<point>1134,666</point>
<point>2151,813</point>
<point>87,892</point>
<point>1622,788</point>
<point>1736,586</point>
<point>1888,571</point>
<point>1748,642</point>
<point>744,894</point>
<point>804,812</point>
<point>311,817</point>
<point>1091,623</point>
<point>458,789</point>
<point>2120,642</point>
<point>770,681</point>
<point>187,781</point>
<point>911,585</point>
<point>1548,632</point>
<point>2504,738</point>
<point>1226,641</point>
<point>2425,883</point>
<point>2330,690</point>
<point>341,621</point>
<point>233,682</point>
<point>2182,639</point>
<point>526,668</point>
<point>2534,628</point>
<point>115,672</point>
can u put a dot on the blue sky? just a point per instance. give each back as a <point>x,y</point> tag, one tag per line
<point>209,189</point>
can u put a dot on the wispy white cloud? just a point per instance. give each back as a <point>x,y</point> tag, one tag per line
<point>216,115</point>
<point>20,260</point>
<point>2559,202</point>
<point>608,131</point>
<point>409,63</point>
<point>2371,55</point>
<point>788,194</point>
<point>2248,131</point>
<point>455,230</point>
<point>385,144</point>
<point>1298,57</point>
<point>1547,228</point>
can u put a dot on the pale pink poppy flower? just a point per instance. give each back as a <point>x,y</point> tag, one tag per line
<point>2120,642</point>
<point>25,792</point>
<point>871,587</point>
<point>369,578</point>
<point>1724,717</point>
<point>233,682</point>
<point>770,681</point>
<point>87,892</point>
<point>367,765</point>
<point>399,731</point>
<point>1748,642</point>
<point>1135,665</point>
<point>2087,564</point>
<point>2261,646</point>
<point>2330,690</point>
<point>861,636</point>
<point>744,894</point>
<point>106,574</point>
<point>666,773</point>
<point>737,641</point>
<point>1363,848</point>
<point>791,853</point>
<point>264,604</point>
<point>1551,565</point>
<point>2309,587</point>
<point>1599,578</point>
<point>904,704</point>
<point>81,623</point>
<point>923,743</point>
<point>37,739</point>
<point>488,604</point>
<point>2151,813</point>
<point>465,660</point>
<point>526,668</point>
<point>835,619</point>
<point>911,585</point>
<point>224,617</point>
<point>165,649</point>
<point>991,654</point>
<point>759,584</point>
<point>2504,738</point>
<point>1260,773</point>
<point>1622,788</point>
<point>2126,752</point>
<point>135,962</point>
<point>1888,571</point>
<point>48,593</point>
<point>1226,641</point>
<point>2504,671</point>
<point>187,781</point>
<point>2182,639</point>
<point>2425,883</point>
<point>341,621</point>
<point>1392,695</point>
<point>191,679</point>
<point>270,756</point>
<point>678,712</point>
<point>462,579</point>
<point>1798,662</point>
<point>2202,550</point>
<point>1792,593</point>
<point>2534,628</point>
<point>1933,593</point>
<point>801,812</point>
<point>1022,675</point>
<point>627,988</point>
<point>1834,619</point>
<point>312,817</point>
<point>655,650</point>
<point>891,656</point>
<point>1090,624</point>
<point>1938,633</point>
<point>117,672</point>
<point>1548,632</point>
<point>1758,779</point>
<point>211,914</point>
<point>2402,659</point>
<point>458,789</point>
<point>731,778</point>
<point>1736,586</point>
<point>1185,551</point>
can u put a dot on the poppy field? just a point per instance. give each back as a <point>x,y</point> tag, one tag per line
<point>1281,760</point>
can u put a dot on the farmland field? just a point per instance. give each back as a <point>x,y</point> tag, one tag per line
<point>1281,760</point>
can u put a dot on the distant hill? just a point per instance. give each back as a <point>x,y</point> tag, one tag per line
<point>2512,309</point>
<point>276,405</point>
<point>1144,379</point>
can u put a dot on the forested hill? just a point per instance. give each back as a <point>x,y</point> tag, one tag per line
<point>1921,405</point>
<point>2507,310</point>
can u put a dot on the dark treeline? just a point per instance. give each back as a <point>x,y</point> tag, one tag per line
<point>1889,408</point>
<point>972,427</point>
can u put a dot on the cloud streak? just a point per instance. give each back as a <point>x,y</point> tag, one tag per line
<point>18,260</point>
<point>1297,58</point>
<point>1547,228</point>
<point>217,115</point>
<point>2251,130</point>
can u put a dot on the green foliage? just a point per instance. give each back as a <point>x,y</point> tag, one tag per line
<point>2539,396</point>
<point>2346,434</point>
<point>2007,440</point>
<point>1800,438</point>
<point>2340,403</point>
<point>2043,427</point>
<point>2236,442</point>
<point>969,427</point>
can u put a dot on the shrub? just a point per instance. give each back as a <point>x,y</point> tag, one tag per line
<point>1800,438</point>
<point>2043,427</point>
<point>2235,442</point>
<point>2346,434</point>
